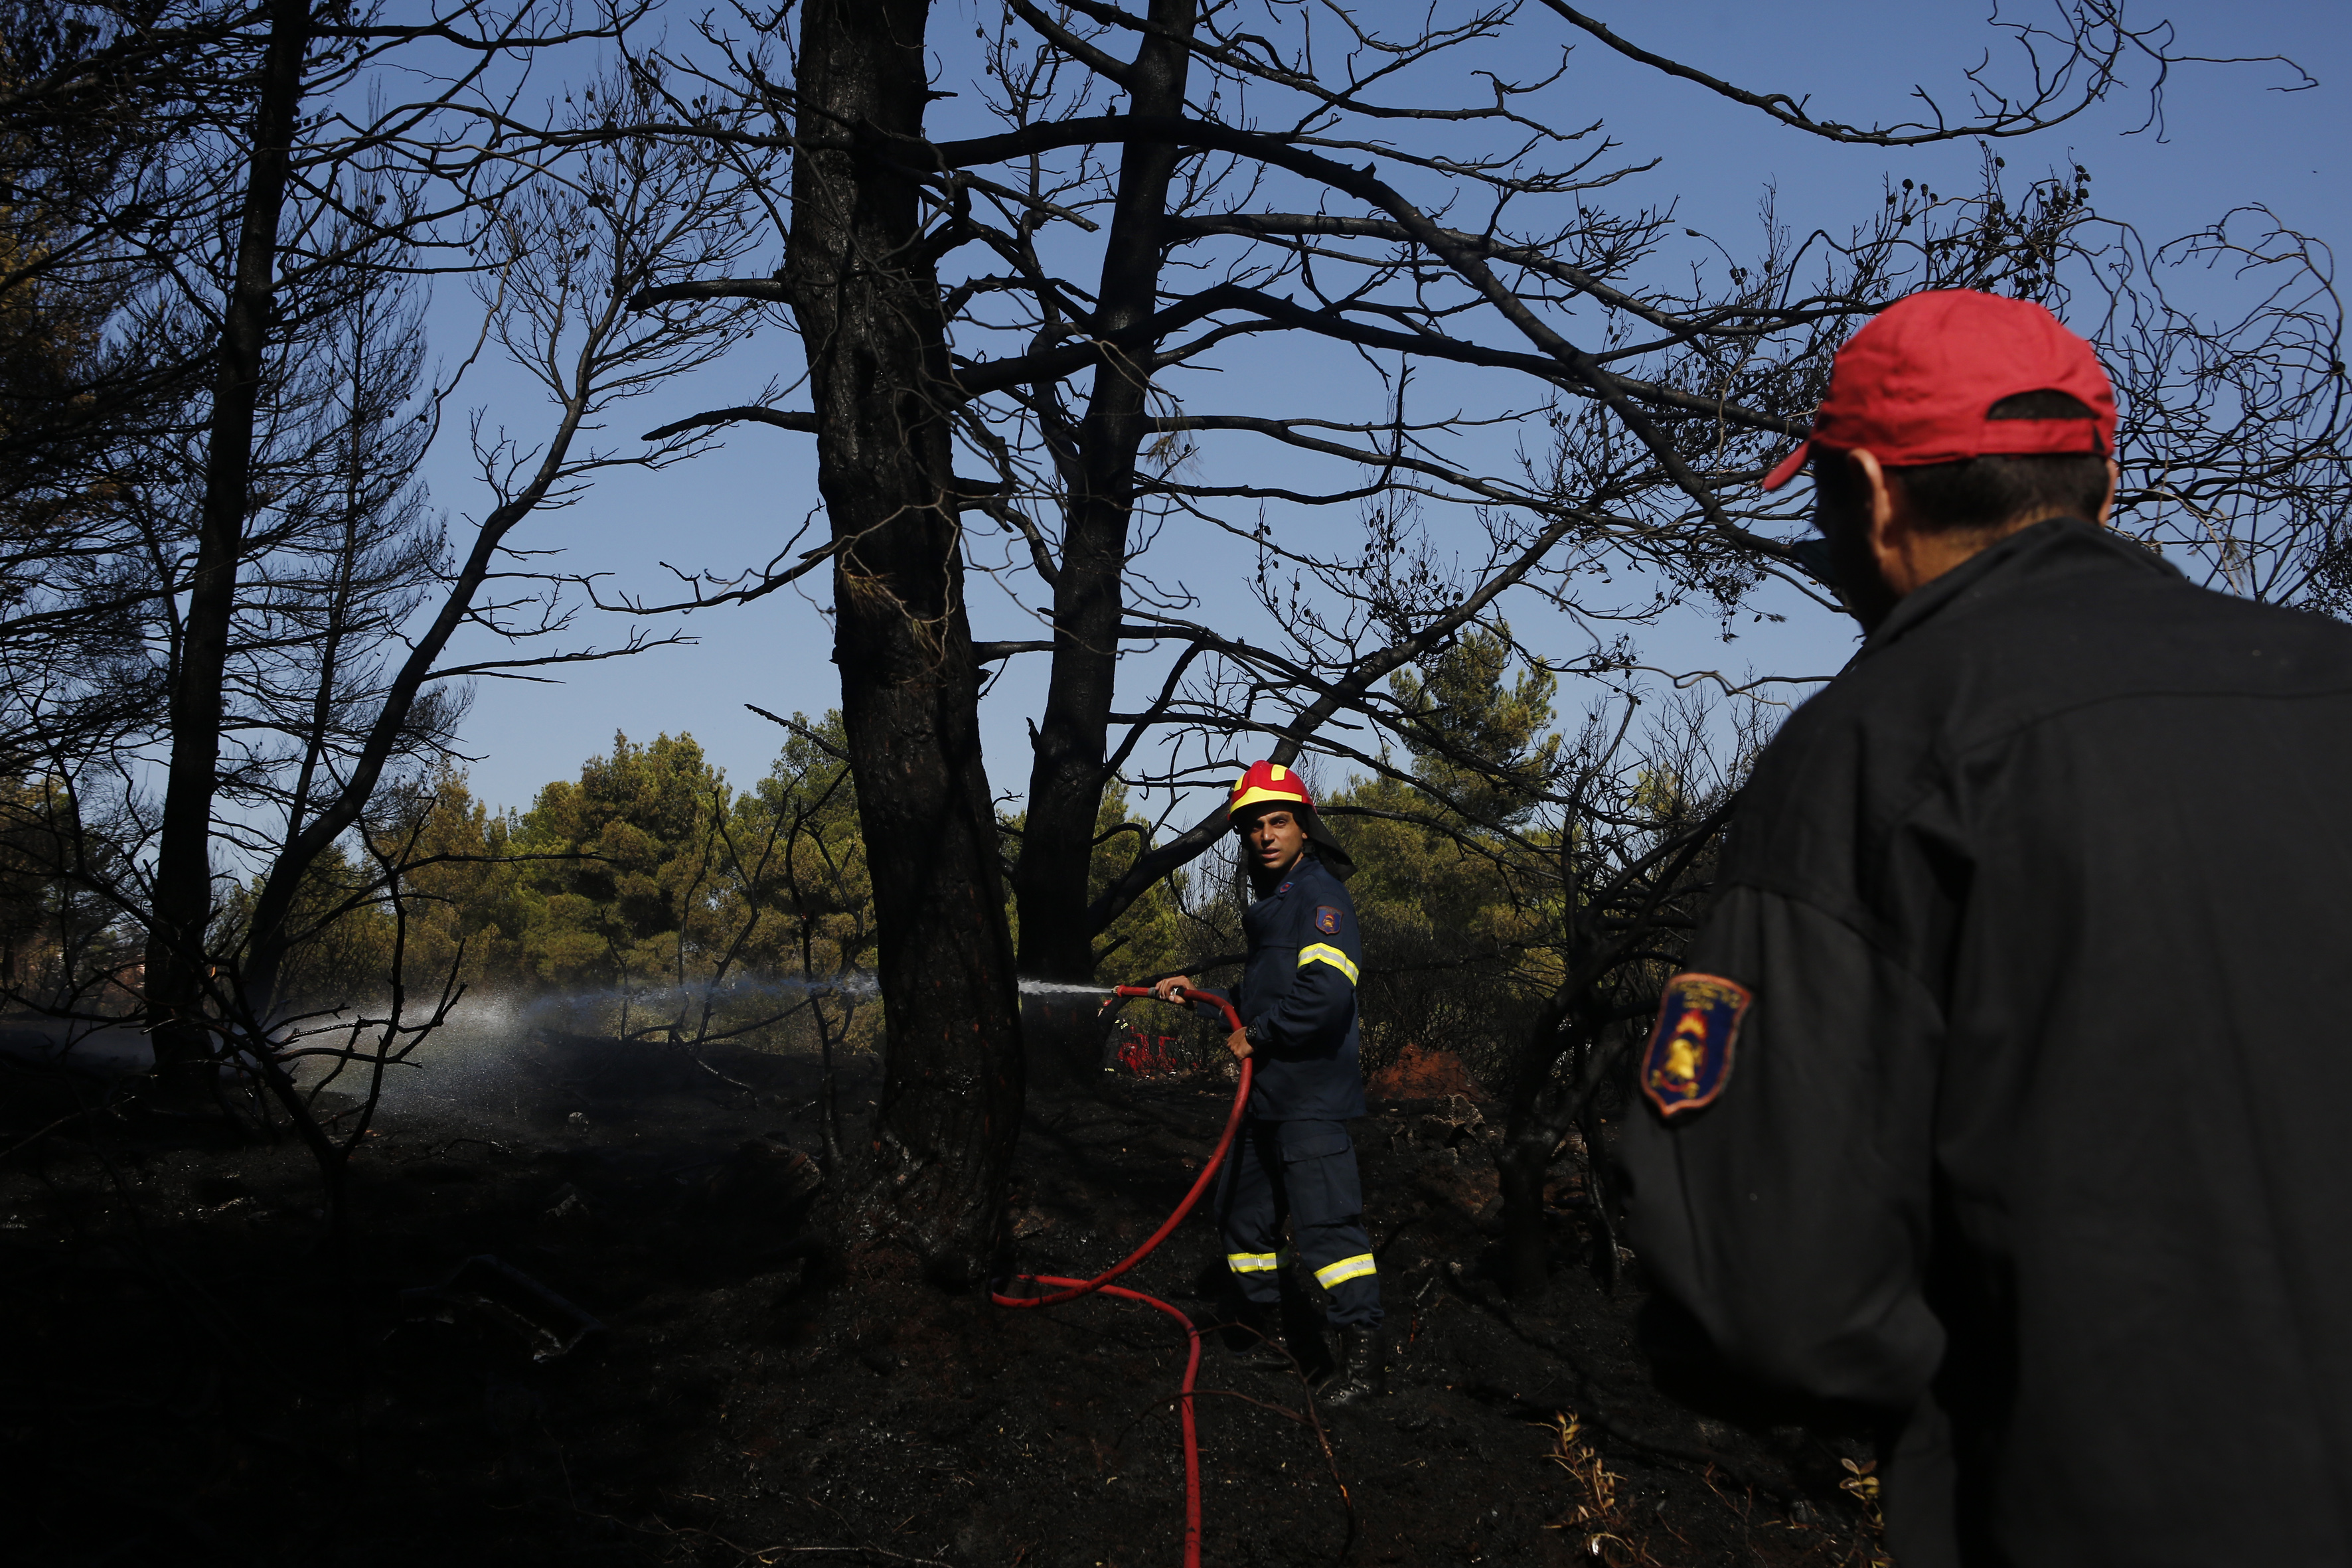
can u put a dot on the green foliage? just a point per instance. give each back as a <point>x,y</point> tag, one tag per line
<point>798,886</point>
<point>1597,871</point>
<point>628,865</point>
<point>464,906</point>
<point>341,926</point>
<point>660,899</point>
<point>60,944</point>
<point>1148,937</point>
<point>689,910</point>
<point>1454,955</point>
<point>645,885</point>
<point>1151,936</point>
<point>1475,739</point>
<point>1456,928</point>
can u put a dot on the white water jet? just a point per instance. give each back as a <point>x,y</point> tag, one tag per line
<point>1063,989</point>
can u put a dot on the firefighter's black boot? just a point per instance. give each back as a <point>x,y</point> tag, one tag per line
<point>1252,1339</point>
<point>1362,1371</point>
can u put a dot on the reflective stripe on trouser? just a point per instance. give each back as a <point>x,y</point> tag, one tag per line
<point>1303,1171</point>
<point>1347,1268</point>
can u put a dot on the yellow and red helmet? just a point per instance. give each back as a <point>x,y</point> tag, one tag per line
<point>1267,783</point>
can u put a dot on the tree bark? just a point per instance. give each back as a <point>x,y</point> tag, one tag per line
<point>1544,1106</point>
<point>1066,776</point>
<point>181,910</point>
<point>1524,1159</point>
<point>862,289</point>
<point>1544,1103</point>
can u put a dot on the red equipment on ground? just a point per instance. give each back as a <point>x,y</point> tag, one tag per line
<point>1061,1289</point>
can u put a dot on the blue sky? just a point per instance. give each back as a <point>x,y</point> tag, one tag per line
<point>2228,138</point>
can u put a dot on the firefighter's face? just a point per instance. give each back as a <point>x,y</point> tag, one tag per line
<point>1273,839</point>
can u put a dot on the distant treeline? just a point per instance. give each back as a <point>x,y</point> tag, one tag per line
<point>650,876</point>
<point>670,901</point>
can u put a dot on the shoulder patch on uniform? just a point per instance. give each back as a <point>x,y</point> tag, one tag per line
<point>1689,1058</point>
<point>1326,918</point>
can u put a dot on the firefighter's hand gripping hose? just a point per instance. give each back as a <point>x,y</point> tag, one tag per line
<point>1060,1289</point>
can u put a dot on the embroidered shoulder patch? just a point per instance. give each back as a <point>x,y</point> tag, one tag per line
<point>1327,920</point>
<point>1689,1058</point>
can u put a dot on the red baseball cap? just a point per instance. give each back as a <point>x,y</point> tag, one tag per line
<point>1914,385</point>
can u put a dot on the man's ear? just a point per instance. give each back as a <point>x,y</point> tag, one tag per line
<point>2115,477</point>
<point>1880,510</point>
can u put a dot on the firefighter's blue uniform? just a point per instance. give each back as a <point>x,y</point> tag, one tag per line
<point>1294,1157</point>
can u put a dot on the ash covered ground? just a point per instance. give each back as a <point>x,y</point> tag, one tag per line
<point>188,1381</point>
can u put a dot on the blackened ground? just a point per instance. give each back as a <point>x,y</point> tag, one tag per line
<point>187,1382</point>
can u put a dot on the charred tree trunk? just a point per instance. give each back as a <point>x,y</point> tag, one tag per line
<point>1545,1104</point>
<point>1600,1189</point>
<point>181,909</point>
<point>1066,776</point>
<point>862,287</point>
<point>1525,1156</point>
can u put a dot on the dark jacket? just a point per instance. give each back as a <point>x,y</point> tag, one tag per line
<point>1298,995</point>
<point>2035,1127</point>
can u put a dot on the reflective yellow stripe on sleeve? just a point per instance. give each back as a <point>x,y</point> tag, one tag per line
<point>1250,1262</point>
<point>1347,1268</point>
<point>1324,953</point>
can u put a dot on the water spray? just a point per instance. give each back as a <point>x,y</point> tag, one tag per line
<point>1064,988</point>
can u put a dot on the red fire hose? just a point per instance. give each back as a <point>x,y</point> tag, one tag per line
<point>1060,1289</point>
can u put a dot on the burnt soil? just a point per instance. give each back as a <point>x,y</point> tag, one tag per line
<point>187,1379</point>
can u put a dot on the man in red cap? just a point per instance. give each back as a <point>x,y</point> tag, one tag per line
<point>1294,1158</point>
<point>2003,1102</point>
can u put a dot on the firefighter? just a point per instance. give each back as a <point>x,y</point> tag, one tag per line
<point>1293,1156</point>
<point>2004,1099</point>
